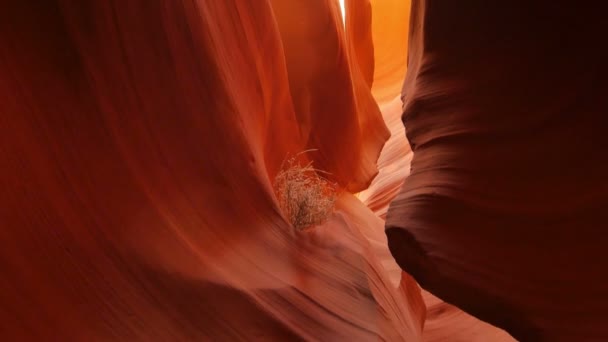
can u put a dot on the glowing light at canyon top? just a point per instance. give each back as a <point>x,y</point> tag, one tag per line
<point>343,12</point>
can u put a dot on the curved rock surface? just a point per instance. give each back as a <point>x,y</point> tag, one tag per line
<point>329,92</point>
<point>139,141</point>
<point>138,144</point>
<point>389,22</point>
<point>503,213</point>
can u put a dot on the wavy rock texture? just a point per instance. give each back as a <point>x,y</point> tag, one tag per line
<point>388,37</point>
<point>139,141</point>
<point>393,164</point>
<point>380,29</point>
<point>503,213</point>
<point>329,92</point>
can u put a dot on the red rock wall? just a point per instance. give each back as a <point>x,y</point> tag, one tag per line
<point>503,213</point>
<point>329,92</point>
<point>138,144</point>
<point>389,22</point>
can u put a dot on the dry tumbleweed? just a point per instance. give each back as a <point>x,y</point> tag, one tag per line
<point>306,198</point>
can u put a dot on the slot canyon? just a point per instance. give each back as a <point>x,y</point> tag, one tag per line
<point>460,146</point>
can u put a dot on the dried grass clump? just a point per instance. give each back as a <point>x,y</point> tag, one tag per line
<point>306,198</point>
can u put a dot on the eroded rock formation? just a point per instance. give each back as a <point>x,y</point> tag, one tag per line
<point>139,142</point>
<point>503,213</point>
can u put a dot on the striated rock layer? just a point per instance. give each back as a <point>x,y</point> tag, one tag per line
<point>329,92</point>
<point>387,34</point>
<point>138,143</point>
<point>504,211</point>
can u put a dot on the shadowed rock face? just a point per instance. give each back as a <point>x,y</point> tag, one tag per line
<point>504,211</point>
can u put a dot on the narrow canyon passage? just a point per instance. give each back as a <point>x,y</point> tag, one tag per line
<point>141,142</point>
